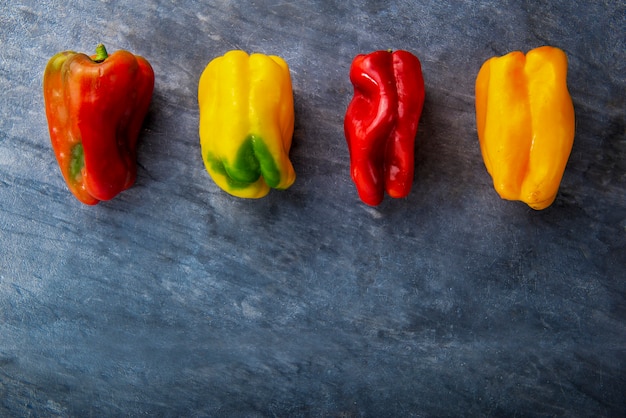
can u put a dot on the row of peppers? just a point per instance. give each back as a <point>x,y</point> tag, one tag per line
<point>96,105</point>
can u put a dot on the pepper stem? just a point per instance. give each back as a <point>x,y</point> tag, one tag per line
<point>101,53</point>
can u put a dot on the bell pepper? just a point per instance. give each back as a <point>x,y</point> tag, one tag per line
<point>381,123</point>
<point>246,123</point>
<point>95,108</point>
<point>525,123</point>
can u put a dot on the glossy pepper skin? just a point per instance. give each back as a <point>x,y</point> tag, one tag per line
<point>247,123</point>
<point>95,108</point>
<point>525,123</point>
<point>381,123</point>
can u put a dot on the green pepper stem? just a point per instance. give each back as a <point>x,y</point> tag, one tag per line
<point>101,53</point>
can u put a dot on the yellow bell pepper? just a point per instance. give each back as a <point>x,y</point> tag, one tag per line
<point>525,123</point>
<point>246,123</point>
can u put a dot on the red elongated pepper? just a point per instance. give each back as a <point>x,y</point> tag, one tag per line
<point>95,108</point>
<point>381,123</point>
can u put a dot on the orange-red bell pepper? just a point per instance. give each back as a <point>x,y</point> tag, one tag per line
<point>95,108</point>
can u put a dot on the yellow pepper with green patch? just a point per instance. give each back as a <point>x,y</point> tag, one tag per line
<point>525,123</point>
<point>246,123</point>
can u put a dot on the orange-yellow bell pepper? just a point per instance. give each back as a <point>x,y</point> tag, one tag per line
<point>525,123</point>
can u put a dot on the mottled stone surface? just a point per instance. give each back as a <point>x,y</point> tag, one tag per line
<point>175,299</point>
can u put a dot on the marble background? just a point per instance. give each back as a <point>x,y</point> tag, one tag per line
<point>176,299</point>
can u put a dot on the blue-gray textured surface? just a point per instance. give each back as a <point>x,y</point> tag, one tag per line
<point>178,299</point>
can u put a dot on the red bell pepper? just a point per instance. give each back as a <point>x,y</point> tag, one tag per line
<point>95,108</point>
<point>381,123</point>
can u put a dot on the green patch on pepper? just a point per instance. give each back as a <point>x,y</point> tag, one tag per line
<point>77,161</point>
